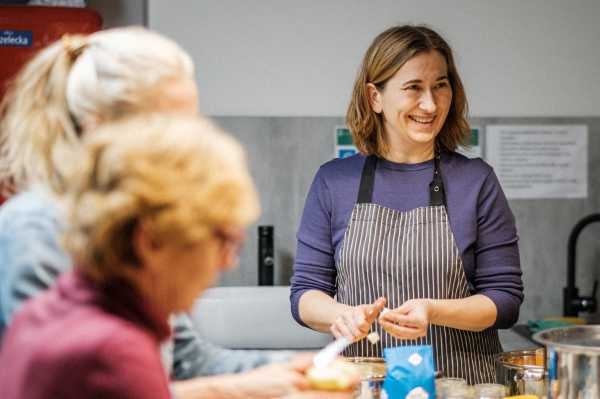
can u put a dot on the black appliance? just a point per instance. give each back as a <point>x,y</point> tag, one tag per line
<point>266,258</point>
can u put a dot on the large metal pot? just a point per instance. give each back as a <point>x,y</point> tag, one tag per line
<point>573,361</point>
<point>372,371</point>
<point>522,372</point>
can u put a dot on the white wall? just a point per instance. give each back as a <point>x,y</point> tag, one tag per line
<point>120,12</point>
<point>299,58</point>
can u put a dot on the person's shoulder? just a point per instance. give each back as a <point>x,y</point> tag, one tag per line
<point>126,338</point>
<point>107,346</point>
<point>128,347</point>
<point>44,316</point>
<point>472,167</point>
<point>84,337</point>
<point>342,168</point>
<point>24,218</point>
<point>106,335</point>
<point>33,203</point>
<point>72,300</point>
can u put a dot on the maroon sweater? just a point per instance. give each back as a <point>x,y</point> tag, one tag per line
<point>83,340</point>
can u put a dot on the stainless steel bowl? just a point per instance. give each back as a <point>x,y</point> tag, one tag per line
<point>573,361</point>
<point>372,371</point>
<point>522,372</point>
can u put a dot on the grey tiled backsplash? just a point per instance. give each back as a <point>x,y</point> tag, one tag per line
<point>285,152</point>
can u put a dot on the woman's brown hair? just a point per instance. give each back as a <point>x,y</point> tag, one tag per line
<point>389,51</point>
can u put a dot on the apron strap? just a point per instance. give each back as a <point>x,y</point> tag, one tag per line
<point>365,190</point>
<point>437,194</point>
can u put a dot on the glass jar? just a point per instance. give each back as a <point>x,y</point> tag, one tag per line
<point>460,392</point>
<point>489,391</point>
<point>445,386</point>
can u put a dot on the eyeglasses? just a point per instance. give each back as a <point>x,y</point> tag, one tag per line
<point>231,241</point>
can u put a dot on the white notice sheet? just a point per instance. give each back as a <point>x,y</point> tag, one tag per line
<point>539,161</point>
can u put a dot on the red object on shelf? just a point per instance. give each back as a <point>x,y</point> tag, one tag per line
<point>24,30</point>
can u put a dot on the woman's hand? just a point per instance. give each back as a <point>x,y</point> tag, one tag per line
<point>320,395</point>
<point>409,321</point>
<point>277,380</point>
<point>302,363</point>
<point>355,322</point>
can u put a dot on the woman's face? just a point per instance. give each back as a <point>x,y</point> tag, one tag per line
<point>415,101</point>
<point>190,270</point>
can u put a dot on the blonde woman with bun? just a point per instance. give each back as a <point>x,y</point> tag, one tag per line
<point>156,208</point>
<point>67,89</point>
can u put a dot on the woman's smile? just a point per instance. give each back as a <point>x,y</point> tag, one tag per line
<point>414,103</point>
<point>424,121</point>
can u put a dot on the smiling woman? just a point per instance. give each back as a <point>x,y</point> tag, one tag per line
<point>417,68</point>
<point>415,103</point>
<point>409,223</point>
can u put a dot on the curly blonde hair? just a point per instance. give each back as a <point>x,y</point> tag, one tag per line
<point>389,51</point>
<point>183,177</point>
<point>102,76</point>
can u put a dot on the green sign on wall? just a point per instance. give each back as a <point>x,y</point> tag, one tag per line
<point>343,143</point>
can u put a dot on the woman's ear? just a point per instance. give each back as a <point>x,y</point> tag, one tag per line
<point>147,248</point>
<point>374,98</point>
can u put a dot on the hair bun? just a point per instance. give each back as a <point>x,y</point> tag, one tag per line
<point>74,44</point>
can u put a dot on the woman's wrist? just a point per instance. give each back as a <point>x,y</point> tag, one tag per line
<point>432,310</point>
<point>319,311</point>
<point>472,313</point>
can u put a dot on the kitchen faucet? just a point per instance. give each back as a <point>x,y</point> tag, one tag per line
<point>572,302</point>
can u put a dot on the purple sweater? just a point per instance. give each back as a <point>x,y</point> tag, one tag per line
<point>480,218</point>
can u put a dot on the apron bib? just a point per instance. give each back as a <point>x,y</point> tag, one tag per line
<point>411,255</point>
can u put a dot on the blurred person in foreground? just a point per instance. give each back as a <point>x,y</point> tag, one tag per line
<point>157,208</point>
<point>65,90</point>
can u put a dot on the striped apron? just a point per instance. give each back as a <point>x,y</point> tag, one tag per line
<point>409,255</point>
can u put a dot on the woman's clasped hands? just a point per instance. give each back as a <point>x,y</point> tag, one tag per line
<point>408,321</point>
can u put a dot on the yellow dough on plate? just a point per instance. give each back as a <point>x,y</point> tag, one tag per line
<point>338,376</point>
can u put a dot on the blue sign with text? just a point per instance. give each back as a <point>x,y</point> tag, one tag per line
<point>16,38</point>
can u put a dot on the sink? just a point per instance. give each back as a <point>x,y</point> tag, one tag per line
<point>253,318</point>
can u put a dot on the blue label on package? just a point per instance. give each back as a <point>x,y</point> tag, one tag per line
<point>16,38</point>
<point>410,373</point>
